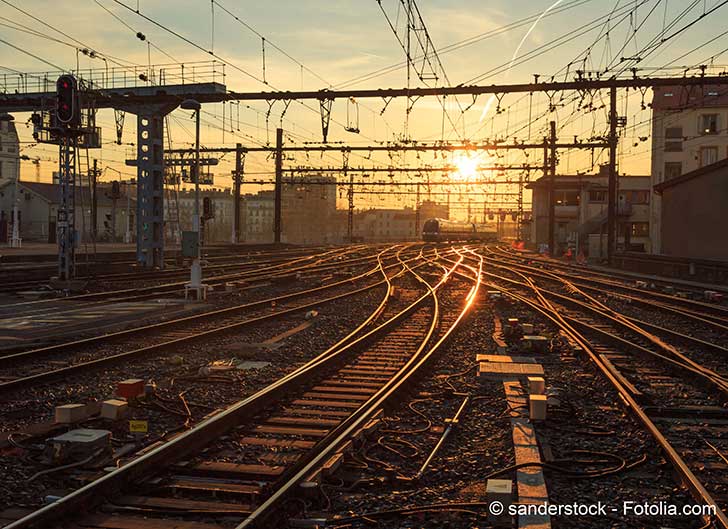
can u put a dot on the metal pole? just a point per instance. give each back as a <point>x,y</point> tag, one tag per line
<point>612,192</point>
<point>196,268</point>
<point>94,203</point>
<point>278,186</point>
<point>350,218</point>
<point>552,190</point>
<point>417,211</point>
<point>237,181</point>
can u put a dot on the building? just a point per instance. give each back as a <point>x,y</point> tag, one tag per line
<point>581,213</point>
<point>38,210</point>
<point>430,209</point>
<point>689,131</point>
<point>384,225</point>
<point>179,214</point>
<point>308,211</point>
<point>258,215</point>
<point>9,150</point>
<point>693,208</point>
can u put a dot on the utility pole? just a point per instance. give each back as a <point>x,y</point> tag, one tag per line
<point>552,190</point>
<point>519,224</point>
<point>278,186</point>
<point>612,191</point>
<point>94,202</point>
<point>417,211</point>
<point>237,183</point>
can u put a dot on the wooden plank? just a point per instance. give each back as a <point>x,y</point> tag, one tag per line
<point>335,396</point>
<point>290,430</point>
<point>345,389</point>
<point>326,403</point>
<point>277,443</point>
<point>317,413</point>
<point>108,521</point>
<point>181,504</point>
<point>229,470</point>
<point>212,486</point>
<point>345,382</point>
<point>303,421</point>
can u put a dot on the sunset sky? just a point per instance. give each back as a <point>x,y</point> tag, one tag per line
<point>341,42</point>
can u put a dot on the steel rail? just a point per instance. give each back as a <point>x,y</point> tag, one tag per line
<point>689,479</point>
<point>682,362</point>
<point>50,375</point>
<point>342,433</point>
<point>160,325</point>
<point>197,437</point>
<point>721,311</point>
<point>713,320</point>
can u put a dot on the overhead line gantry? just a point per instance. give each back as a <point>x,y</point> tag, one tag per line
<point>151,103</point>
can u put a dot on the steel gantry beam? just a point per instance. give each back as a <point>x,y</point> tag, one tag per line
<point>419,147</point>
<point>216,93</point>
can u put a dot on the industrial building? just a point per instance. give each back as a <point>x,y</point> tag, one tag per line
<point>38,210</point>
<point>258,215</point>
<point>581,213</point>
<point>693,207</point>
<point>385,225</point>
<point>308,207</point>
<point>689,132</point>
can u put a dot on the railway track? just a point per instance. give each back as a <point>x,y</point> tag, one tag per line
<point>614,284</point>
<point>100,270</point>
<point>30,367</point>
<point>703,316</point>
<point>249,280</point>
<point>246,272</point>
<point>282,435</point>
<point>678,399</point>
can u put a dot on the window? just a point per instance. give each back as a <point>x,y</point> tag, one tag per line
<point>598,196</point>
<point>567,198</point>
<point>673,139</point>
<point>637,197</point>
<point>708,124</point>
<point>708,155</point>
<point>640,229</point>
<point>672,170</point>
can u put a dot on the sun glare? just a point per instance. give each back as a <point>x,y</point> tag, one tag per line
<point>466,168</point>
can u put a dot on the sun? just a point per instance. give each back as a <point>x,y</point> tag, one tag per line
<point>466,168</point>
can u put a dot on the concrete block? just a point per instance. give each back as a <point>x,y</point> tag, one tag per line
<point>536,343</point>
<point>536,385</point>
<point>499,491</point>
<point>114,409</point>
<point>508,370</point>
<point>527,328</point>
<point>537,407</point>
<point>130,388</point>
<point>70,413</point>
<point>506,358</point>
<point>494,294</point>
<point>512,322</point>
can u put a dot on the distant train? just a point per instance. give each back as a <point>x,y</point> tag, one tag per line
<point>441,230</point>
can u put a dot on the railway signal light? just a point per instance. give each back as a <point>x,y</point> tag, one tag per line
<point>207,212</point>
<point>67,110</point>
